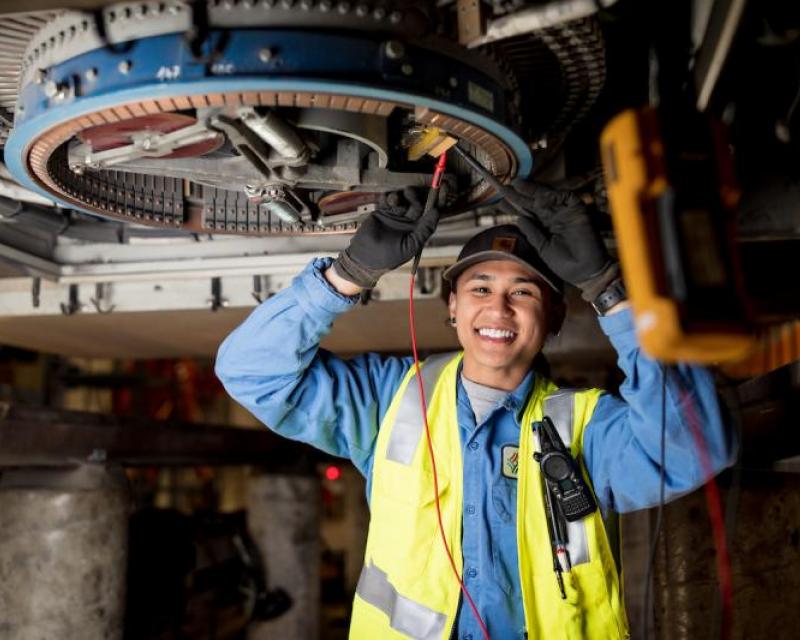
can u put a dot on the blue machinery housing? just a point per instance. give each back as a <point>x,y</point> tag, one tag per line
<point>256,60</point>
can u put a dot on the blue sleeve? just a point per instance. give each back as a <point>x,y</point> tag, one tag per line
<point>272,365</point>
<point>622,440</point>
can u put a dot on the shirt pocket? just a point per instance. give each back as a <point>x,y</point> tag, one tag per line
<point>503,539</point>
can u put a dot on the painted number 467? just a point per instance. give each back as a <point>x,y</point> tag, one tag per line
<point>169,72</point>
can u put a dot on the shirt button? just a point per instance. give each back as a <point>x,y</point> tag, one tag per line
<point>473,445</point>
<point>472,572</point>
<point>466,636</point>
<point>470,509</point>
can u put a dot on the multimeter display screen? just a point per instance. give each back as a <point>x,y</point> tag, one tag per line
<point>566,485</point>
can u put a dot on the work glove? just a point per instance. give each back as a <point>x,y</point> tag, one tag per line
<point>557,225</point>
<point>394,234</point>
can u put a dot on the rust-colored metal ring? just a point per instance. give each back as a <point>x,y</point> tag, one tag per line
<point>48,167</point>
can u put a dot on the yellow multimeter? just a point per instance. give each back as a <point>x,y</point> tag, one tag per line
<point>672,198</point>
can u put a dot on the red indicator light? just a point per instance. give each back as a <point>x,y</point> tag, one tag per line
<point>333,472</point>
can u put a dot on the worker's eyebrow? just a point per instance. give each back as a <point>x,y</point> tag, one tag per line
<point>486,277</point>
<point>482,276</point>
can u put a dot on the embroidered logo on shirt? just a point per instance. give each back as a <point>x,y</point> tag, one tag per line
<point>510,467</point>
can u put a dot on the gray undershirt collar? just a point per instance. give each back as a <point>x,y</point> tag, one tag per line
<point>483,399</point>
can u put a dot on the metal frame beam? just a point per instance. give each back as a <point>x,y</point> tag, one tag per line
<point>36,436</point>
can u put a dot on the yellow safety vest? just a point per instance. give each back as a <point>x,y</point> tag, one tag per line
<point>407,588</point>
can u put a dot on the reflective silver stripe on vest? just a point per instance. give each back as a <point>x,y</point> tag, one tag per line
<point>405,616</point>
<point>560,408</point>
<point>408,423</point>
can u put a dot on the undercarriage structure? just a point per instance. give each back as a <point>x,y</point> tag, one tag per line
<point>275,117</point>
<point>211,138</point>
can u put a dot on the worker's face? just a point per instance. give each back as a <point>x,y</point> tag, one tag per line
<point>500,309</point>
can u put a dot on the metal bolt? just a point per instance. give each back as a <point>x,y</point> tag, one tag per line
<point>407,69</point>
<point>343,7</point>
<point>50,89</point>
<point>362,10</point>
<point>265,54</point>
<point>325,6</point>
<point>379,13</point>
<point>305,5</point>
<point>91,74</point>
<point>394,50</point>
<point>541,143</point>
<point>125,66</point>
<point>453,82</point>
<point>395,17</point>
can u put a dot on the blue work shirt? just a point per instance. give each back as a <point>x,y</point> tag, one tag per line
<point>273,366</point>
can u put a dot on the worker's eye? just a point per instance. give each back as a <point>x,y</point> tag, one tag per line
<point>481,291</point>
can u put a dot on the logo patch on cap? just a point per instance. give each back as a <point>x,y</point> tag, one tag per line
<point>504,243</point>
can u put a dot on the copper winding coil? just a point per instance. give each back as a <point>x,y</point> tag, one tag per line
<point>40,155</point>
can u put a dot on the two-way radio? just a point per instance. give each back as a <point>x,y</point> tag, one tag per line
<point>561,472</point>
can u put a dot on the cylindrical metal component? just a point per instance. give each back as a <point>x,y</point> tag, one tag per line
<point>283,516</point>
<point>283,210</point>
<point>276,133</point>
<point>63,548</point>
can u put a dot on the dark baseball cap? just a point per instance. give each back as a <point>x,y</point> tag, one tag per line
<point>505,242</point>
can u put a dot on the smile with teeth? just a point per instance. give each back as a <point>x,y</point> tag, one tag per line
<point>496,334</point>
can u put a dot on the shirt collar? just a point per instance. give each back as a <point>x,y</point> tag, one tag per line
<point>518,398</point>
<point>514,402</point>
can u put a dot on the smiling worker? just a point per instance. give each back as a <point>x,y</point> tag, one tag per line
<point>507,298</point>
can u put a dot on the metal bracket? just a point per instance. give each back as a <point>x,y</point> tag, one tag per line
<point>147,144</point>
<point>247,143</point>
<point>261,288</point>
<point>74,305</point>
<point>428,280</point>
<point>216,301</point>
<point>102,297</point>
<point>36,291</point>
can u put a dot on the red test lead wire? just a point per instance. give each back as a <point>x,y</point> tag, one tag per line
<point>437,176</point>
<point>716,516</point>
<point>438,173</point>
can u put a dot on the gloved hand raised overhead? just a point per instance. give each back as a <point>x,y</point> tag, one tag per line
<point>560,230</point>
<point>394,233</point>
